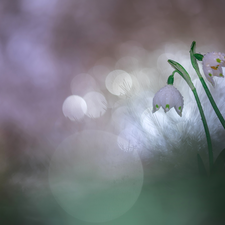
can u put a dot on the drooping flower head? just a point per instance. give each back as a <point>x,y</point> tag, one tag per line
<point>212,65</point>
<point>168,97</point>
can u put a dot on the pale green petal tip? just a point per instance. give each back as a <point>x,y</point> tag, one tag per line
<point>155,108</point>
<point>167,108</point>
<point>218,60</point>
<point>180,111</point>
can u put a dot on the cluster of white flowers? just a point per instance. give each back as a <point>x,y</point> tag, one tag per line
<point>169,96</point>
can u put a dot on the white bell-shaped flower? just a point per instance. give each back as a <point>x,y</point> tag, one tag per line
<point>168,97</point>
<point>212,65</point>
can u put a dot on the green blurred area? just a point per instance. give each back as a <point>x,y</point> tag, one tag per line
<point>170,195</point>
<point>163,200</point>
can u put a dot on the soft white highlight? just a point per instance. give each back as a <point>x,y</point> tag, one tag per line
<point>96,104</point>
<point>74,107</point>
<point>118,82</point>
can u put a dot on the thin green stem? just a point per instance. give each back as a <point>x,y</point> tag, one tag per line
<point>175,71</point>
<point>171,78</point>
<point>195,66</point>
<point>208,138</point>
<point>217,111</point>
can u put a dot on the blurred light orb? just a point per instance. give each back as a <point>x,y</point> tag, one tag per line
<point>74,107</point>
<point>92,179</point>
<point>96,104</point>
<point>118,82</point>
<point>82,84</point>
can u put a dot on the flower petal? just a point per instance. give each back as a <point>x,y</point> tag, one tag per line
<point>222,57</point>
<point>208,71</point>
<point>212,65</point>
<point>179,104</point>
<point>168,97</point>
<point>218,72</point>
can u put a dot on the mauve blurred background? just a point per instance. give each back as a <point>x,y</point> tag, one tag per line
<point>53,49</point>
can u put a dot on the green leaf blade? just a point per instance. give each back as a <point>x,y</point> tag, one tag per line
<point>198,56</point>
<point>180,69</point>
<point>193,59</point>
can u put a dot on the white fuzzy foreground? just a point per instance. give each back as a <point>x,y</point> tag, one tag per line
<point>173,139</point>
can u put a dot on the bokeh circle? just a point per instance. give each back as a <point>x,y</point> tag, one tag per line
<point>92,179</point>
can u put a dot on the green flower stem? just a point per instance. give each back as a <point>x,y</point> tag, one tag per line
<point>179,69</point>
<point>217,111</point>
<point>206,130</point>
<point>195,66</point>
<point>171,78</point>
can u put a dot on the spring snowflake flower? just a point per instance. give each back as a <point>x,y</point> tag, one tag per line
<point>212,65</point>
<point>168,97</point>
